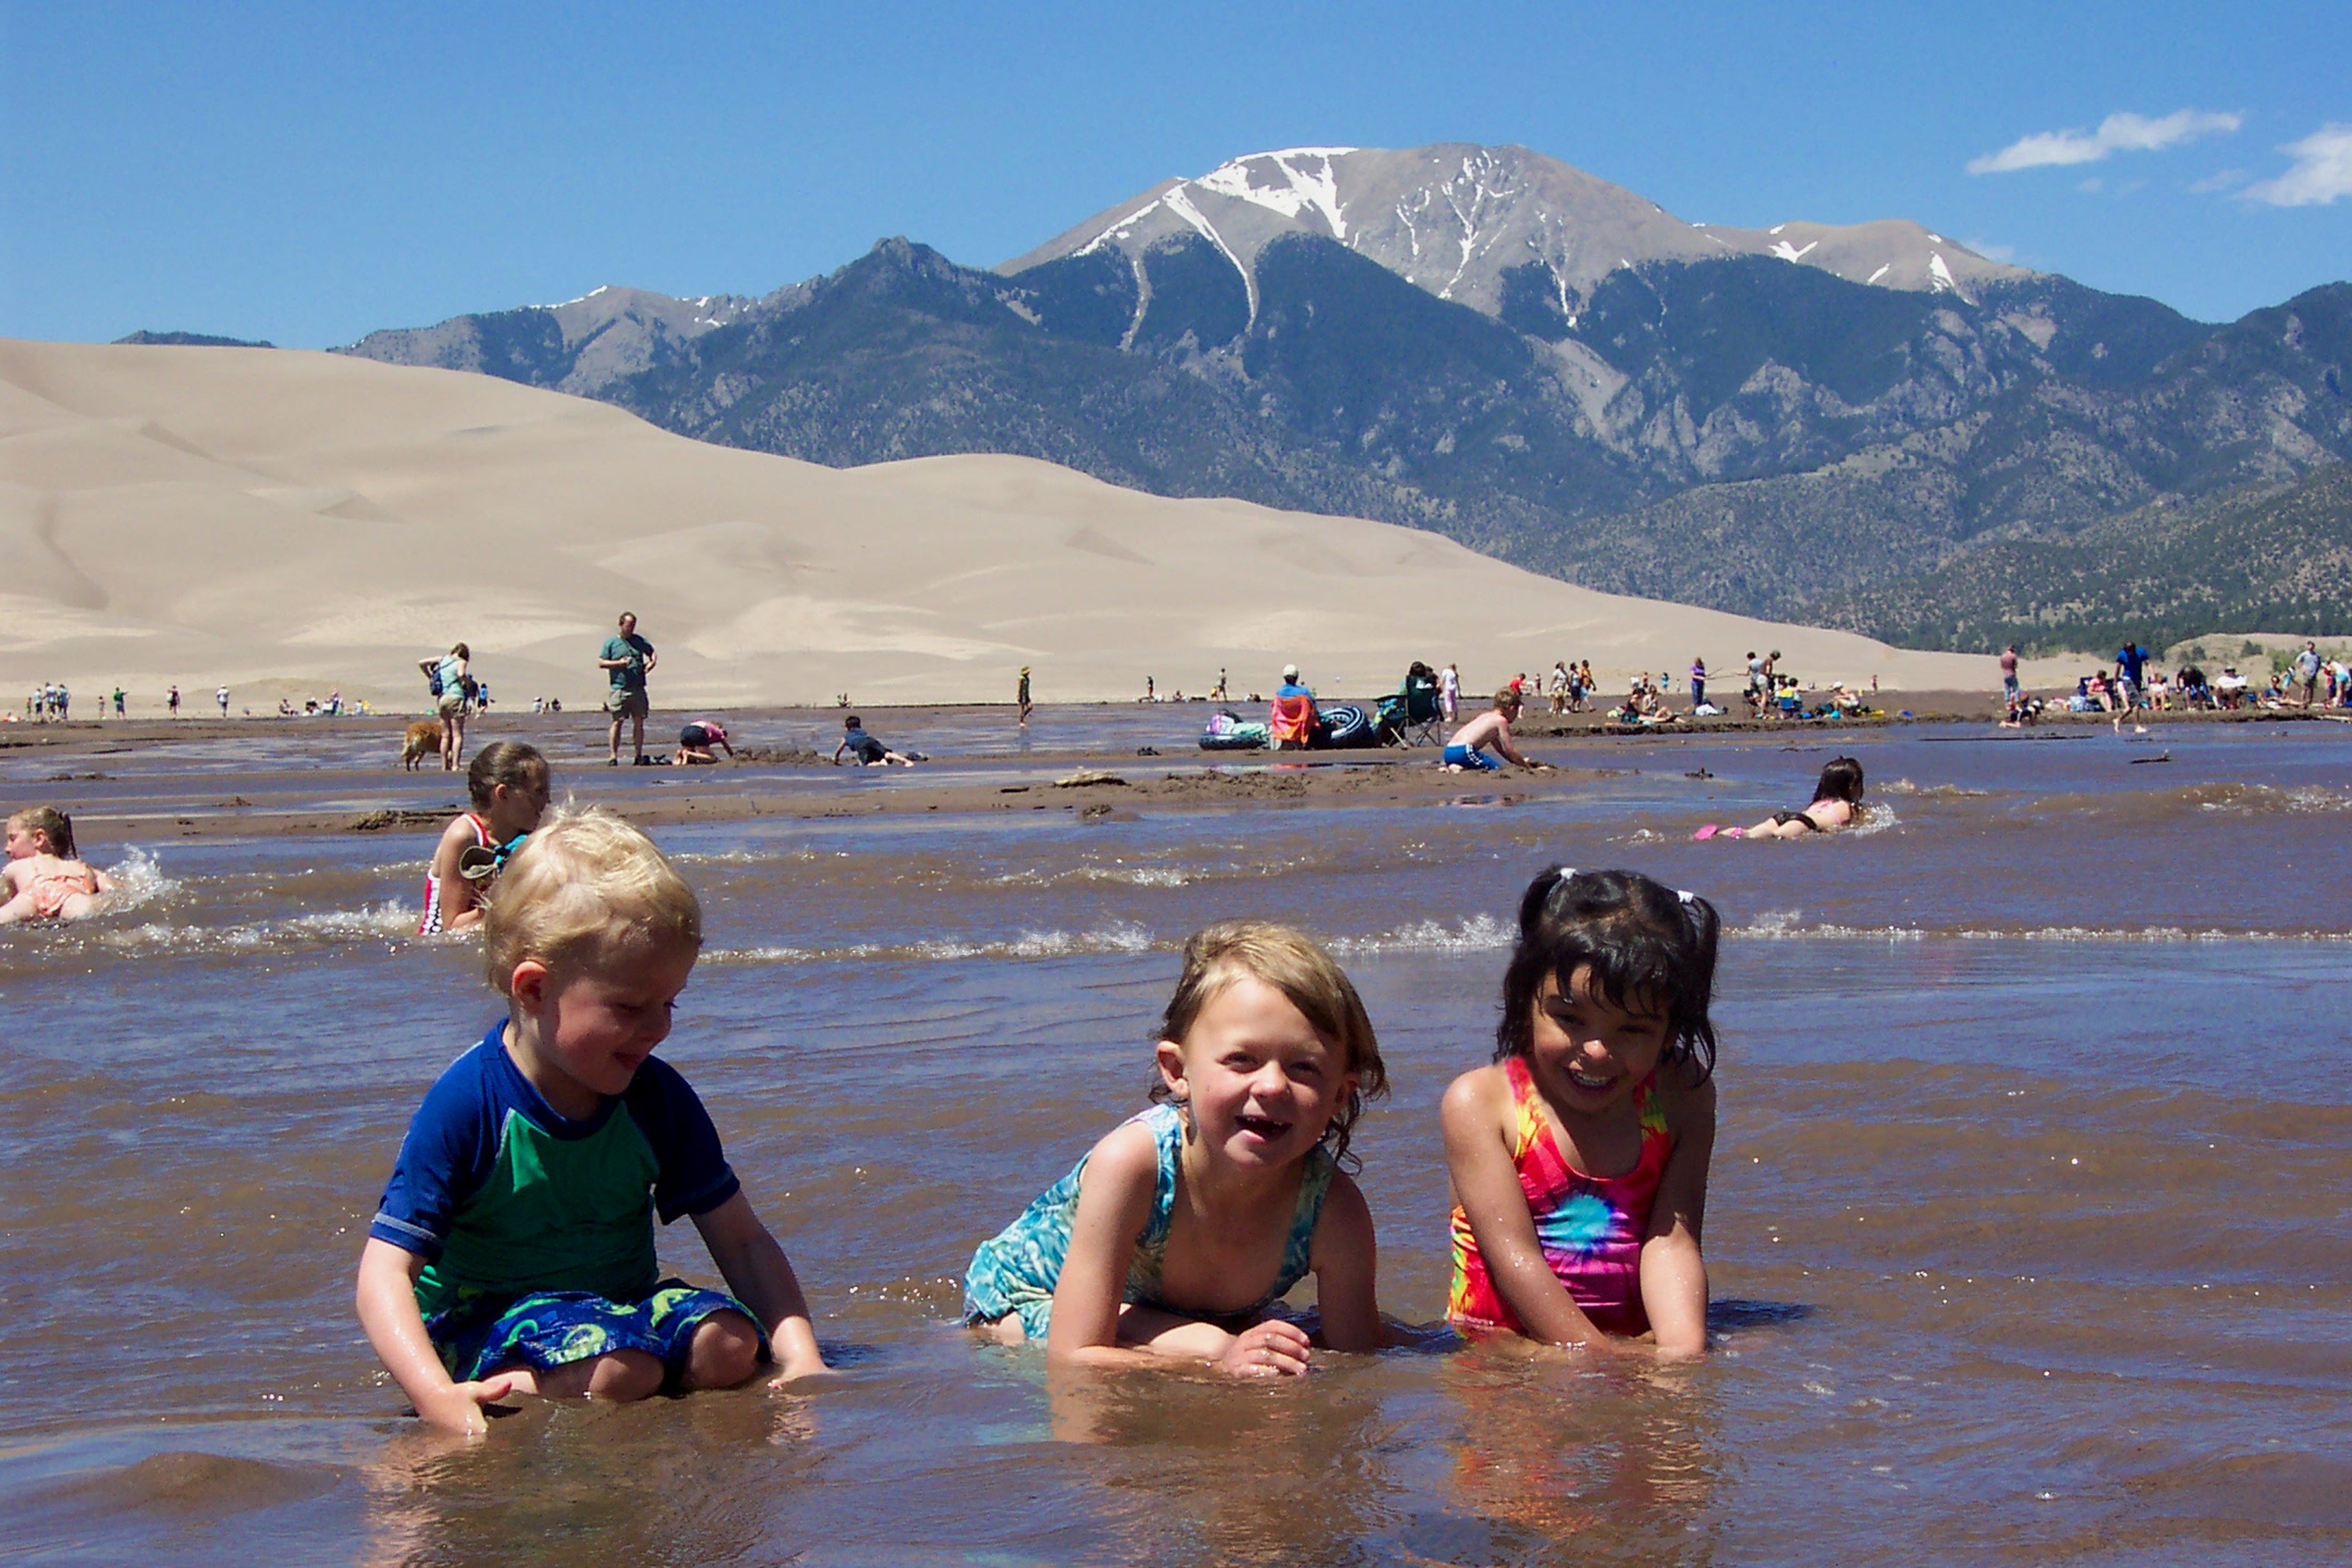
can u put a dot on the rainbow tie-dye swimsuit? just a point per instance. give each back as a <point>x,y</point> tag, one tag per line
<point>1590,1228</point>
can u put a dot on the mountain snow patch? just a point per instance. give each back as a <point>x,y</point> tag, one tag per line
<point>1318,189</point>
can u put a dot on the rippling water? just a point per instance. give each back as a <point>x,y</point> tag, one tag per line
<point>2028,1236</point>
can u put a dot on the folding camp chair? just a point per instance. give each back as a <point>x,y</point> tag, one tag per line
<point>1410,716</point>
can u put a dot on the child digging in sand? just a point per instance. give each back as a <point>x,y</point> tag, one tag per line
<point>513,1251</point>
<point>1491,728</point>
<point>1580,1158</point>
<point>1177,1233</point>
<point>44,880</point>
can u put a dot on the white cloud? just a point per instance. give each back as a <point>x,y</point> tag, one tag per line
<point>2220,180</point>
<point>2116,134</point>
<point>2322,170</point>
<point>1991,251</point>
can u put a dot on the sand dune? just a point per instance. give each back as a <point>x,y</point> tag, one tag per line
<point>287,523</point>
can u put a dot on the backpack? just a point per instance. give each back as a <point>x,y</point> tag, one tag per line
<point>433,682</point>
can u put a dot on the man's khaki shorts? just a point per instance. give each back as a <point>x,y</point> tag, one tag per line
<point>626,702</point>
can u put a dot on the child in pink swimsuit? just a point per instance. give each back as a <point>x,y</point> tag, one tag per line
<point>1579,1159</point>
<point>44,881</point>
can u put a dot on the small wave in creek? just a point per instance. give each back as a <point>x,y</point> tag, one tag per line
<point>1790,925</point>
<point>1120,937</point>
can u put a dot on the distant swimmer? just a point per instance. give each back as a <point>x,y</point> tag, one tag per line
<point>1836,802</point>
<point>508,783</point>
<point>694,740</point>
<point>44,879</point>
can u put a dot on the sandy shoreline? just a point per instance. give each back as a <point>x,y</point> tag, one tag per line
<point>355,786</point>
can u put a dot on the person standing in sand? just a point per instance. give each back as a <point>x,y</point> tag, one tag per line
<point>448,674</point>
<point>627,659</point>
<point>172,702</point>
<point>220,695</point>
<point>2306,672</point>
<point>2009,688</point>
<point>1449,691</point>
<point>1020,695</point>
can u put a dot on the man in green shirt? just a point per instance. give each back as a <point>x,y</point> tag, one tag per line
<point>626,659</point>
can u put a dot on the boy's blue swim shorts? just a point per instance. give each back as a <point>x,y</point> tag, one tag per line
<point>555,1328</point>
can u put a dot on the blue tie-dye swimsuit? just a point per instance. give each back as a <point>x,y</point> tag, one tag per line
<point>1015,1272</point>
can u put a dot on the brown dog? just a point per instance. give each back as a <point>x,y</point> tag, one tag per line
<point>422,741</point>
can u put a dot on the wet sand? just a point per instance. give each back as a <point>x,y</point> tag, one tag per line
<point>1083,760</point>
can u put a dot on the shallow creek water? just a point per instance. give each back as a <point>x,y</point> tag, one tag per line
<point>2029,1235</point>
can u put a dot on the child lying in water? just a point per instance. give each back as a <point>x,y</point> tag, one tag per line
<point>44,881</point>
<point>1836,802</point>
<point>1580,1158</point>
<point>1177,1233</point>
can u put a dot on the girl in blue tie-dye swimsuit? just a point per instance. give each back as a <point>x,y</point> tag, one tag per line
<point>1182,1227</point>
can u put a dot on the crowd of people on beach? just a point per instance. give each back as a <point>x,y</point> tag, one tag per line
<point>2135,684</point>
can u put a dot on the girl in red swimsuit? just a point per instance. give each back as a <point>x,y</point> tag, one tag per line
<point>1580,1158</point>
<point>508,783</point>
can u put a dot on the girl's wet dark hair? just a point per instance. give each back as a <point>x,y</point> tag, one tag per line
<point>1648,946</point>
<point>1841,780</point>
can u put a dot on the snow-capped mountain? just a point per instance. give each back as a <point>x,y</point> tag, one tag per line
<point>1487,342</point>
<point>1455,218</point>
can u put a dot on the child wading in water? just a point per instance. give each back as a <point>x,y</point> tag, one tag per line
<point>1186,1224</point>
<point>44,880</point>
<point>508,783</point>
<point>1580,1158</point>
<point>514,1248</point>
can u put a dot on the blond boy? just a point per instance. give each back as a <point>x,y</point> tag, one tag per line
<point>513,1251</point>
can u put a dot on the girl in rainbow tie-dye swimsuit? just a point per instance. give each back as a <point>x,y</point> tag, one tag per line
<point>1580,1157</point>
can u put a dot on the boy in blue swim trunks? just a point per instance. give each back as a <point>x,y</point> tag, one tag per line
<point>1466,750</point>
<point>514,1248</point>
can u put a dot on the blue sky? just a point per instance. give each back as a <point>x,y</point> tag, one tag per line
<point>308,172</point>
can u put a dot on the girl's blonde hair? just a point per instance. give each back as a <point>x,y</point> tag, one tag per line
<point>584,880</point>
<point>1295,965</point>
<point>55,823</point>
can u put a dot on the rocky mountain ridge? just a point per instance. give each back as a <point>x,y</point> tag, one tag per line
<point>1732,419</point>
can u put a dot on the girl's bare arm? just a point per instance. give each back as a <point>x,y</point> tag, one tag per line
<point>1114,1205</point>
<point>1486,1184</point>
<point>1346,1260</point>
<point>1674,1272</point>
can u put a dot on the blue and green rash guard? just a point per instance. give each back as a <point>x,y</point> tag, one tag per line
<point>502,1197</point>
